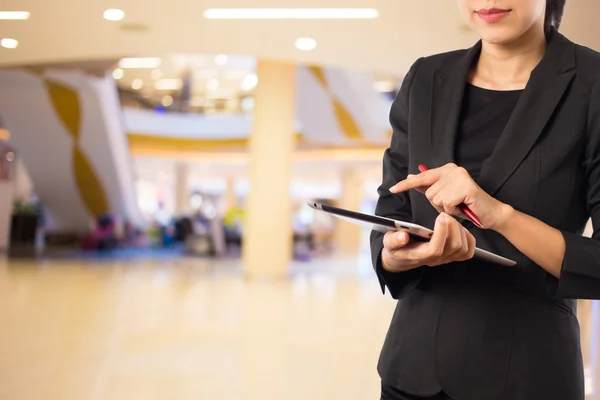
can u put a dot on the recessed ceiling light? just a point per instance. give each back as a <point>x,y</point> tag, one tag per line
<point>249,82</point>
<point>221,59</point>
<point>9,43</point>
<point>139,63</point>
<point>306,44</point>
<point>137,84</point>
<point>167,101</point>
<point>113,14</point>
<point>168,84</point>
<point>212,84</point>
<point>118,73</point>
<point>14,15</point>
<point>290,13</point>
<point>156,74</point>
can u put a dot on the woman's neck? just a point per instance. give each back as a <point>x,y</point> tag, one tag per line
<point>508,66</point>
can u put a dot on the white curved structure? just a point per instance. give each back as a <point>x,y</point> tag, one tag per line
<point>68,129</point>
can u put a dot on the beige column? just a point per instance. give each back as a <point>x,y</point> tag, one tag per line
<point>182,191</point>
<point>230,196</point>
<point>347,236</point>
<point>267,241</point>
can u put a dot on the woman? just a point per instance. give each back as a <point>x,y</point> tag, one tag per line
<point>511,128</point>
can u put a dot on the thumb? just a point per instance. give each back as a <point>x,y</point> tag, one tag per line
<point>395,240</point>
<point>401,239</point>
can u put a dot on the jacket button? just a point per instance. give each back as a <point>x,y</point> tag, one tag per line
<point>468,224</point>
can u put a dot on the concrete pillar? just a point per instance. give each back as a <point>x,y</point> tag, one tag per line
<point>267,240</point>
<point>230,200</point>
<point>182,191</point>
<point>347,236</point>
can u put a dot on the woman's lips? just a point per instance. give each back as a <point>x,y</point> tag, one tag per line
<point>492,15</point>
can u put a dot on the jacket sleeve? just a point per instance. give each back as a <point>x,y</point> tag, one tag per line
<point>580,273</point>
<point>395,169</point>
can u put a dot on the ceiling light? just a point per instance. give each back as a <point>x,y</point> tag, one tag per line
<point>212,84</point>
<point>14,15</point>
<point>8,43</point>
<point>156,74</point>
<point>306,44</point>
<point>167,101</point>
<point>290,13</point>
<point>139,63</point>
<point>249,82</point>
<point>221,59</point>
<point>137,84</point>
<point>118,73</point>
<point>168,84</point>
<point>113,14</point>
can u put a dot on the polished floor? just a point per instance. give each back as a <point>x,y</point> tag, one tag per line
<point>195,329</point>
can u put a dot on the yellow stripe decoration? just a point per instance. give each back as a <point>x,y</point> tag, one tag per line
<point>65,102</point>
<point>140,142</point>
<point>319,75</point>
<point>89,185</point>
<point>344,119</point>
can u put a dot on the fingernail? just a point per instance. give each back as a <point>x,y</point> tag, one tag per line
<point>401,237</point>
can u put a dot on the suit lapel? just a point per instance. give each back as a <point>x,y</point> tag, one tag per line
<point>446,101</point>
<point>546,87</point>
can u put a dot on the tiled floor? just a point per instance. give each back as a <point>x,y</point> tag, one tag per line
<point>193,329</point>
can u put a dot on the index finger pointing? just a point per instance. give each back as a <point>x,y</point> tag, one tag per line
<point>424,179</point>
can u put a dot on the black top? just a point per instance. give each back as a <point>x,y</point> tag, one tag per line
<point>484,115</point>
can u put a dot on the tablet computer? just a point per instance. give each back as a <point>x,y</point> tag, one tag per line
<point>383,224</point>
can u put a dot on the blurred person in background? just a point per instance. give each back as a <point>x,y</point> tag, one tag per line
<point>511,129</point>
<point>185,94</point>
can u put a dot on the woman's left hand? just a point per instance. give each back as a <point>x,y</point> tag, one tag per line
<point>448,186</point>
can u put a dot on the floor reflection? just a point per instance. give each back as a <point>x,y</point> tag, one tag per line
<point>196,329</point>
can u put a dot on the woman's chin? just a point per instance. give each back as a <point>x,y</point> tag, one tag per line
<point>499,36</point>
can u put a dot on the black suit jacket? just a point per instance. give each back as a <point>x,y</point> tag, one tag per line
<point>474,329</point>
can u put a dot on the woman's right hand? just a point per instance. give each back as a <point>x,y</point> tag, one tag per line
<point>450,242</point>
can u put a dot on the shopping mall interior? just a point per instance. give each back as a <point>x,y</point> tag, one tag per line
<point>156,160</point>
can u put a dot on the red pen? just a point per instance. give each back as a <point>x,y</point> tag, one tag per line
<point>462,207</point>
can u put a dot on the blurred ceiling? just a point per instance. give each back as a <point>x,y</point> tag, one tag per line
<point>71,30</point>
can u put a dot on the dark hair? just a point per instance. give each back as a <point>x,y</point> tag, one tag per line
<point>554,13</point>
